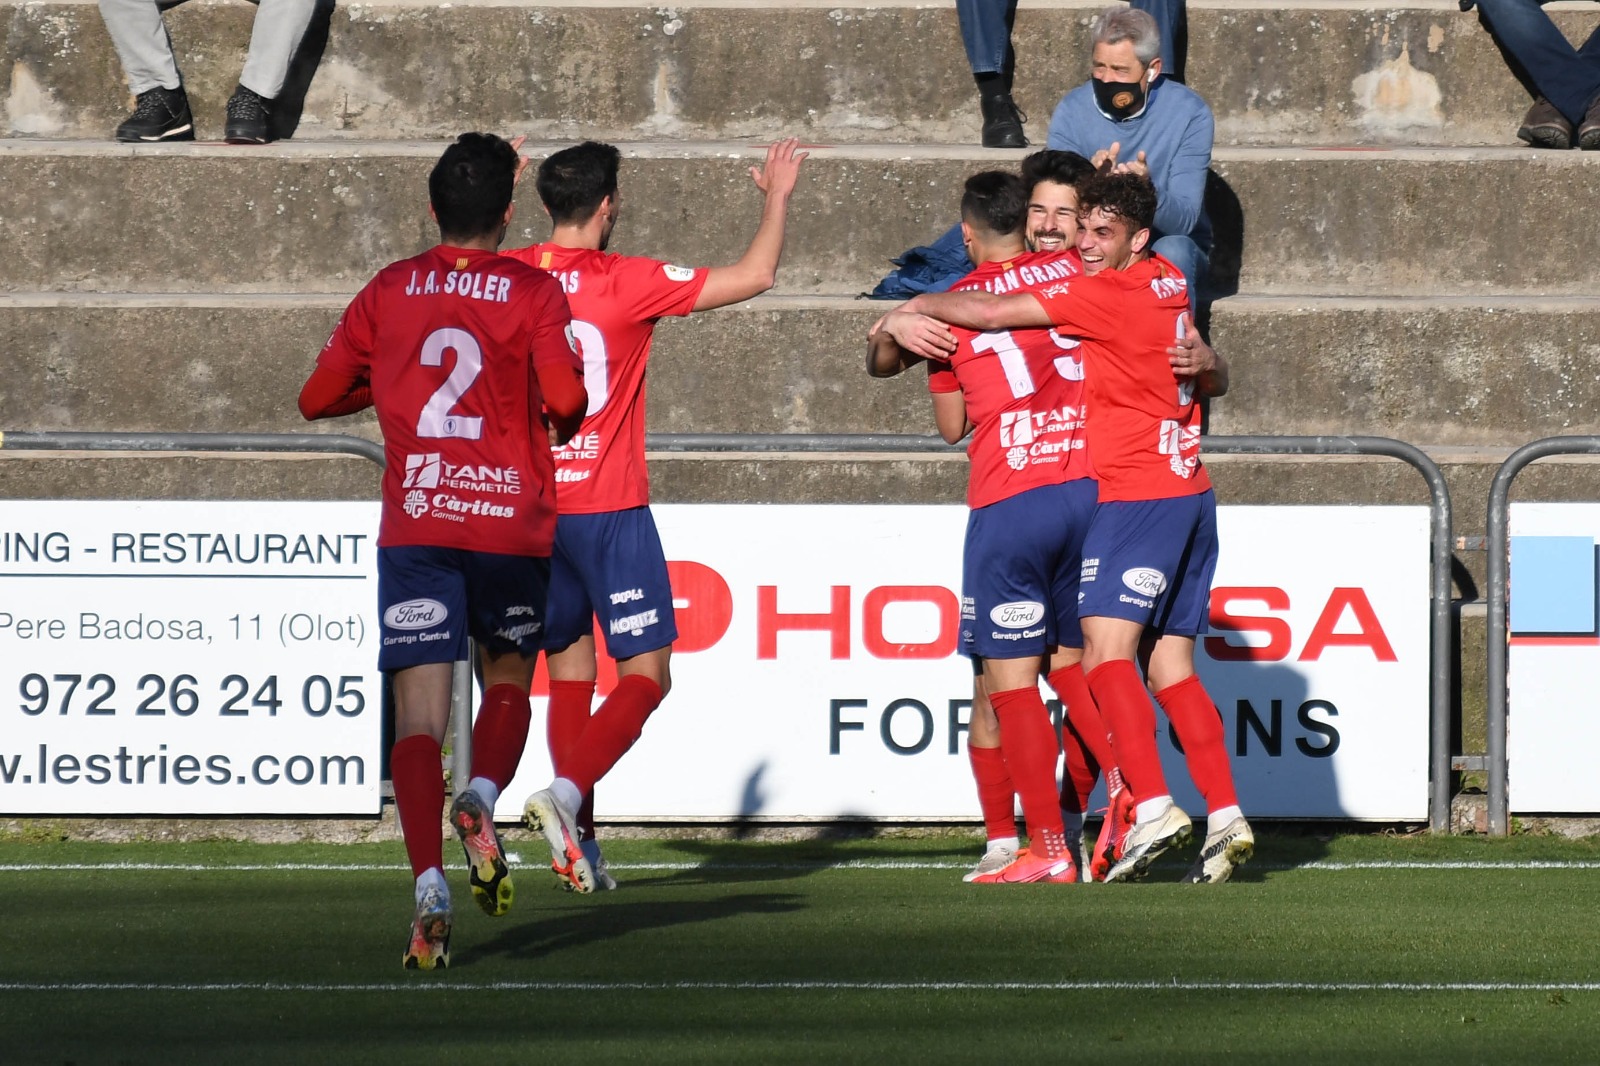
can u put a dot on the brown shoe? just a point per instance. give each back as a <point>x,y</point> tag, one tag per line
<point>1545,127</point>
<point>1589,131</point>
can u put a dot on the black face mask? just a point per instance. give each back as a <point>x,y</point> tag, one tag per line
<point>1119,99</point>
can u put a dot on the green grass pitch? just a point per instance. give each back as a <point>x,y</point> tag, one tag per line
<point>1356,948</point>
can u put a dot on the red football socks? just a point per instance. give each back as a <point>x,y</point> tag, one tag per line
<point>1077,780</point>
<point>1199,727</point>
<point>611,732</point>
<point>1125,706</point>
<point>996,798</point>
<point>1073,688</point>
<point>1029,746</point>
<point>500,734</point>
<point>564,725</point>
<point>418,774</point>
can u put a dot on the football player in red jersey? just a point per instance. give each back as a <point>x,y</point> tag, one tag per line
<point>1152,547</point>
<point>469,360</point>
<point>608,562</point>
<point>1032,493</point>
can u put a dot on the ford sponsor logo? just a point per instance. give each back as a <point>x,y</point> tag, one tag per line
<point>1019,615</point>
<point>415,614</point>
<point>1145,581</point>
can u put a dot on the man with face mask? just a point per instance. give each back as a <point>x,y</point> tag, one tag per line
<point>1130,116</point>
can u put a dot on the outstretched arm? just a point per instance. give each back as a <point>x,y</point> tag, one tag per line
<point>757,270</point>
<point>973,309</point>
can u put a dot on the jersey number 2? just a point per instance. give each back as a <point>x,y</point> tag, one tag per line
<point>436,419</point>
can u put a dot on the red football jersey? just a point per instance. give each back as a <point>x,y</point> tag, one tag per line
<point>1144,438</point>
<point>616,301</point>
<point>1023,389</point>
<point>450,340</point>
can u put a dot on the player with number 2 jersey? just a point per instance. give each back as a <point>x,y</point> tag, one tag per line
<point>608,564</point>
<point>466,356</point>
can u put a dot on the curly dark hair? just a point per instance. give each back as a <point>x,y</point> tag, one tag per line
<point>1130,197</point>
<point>1050,164</point>
<point>470,187</point>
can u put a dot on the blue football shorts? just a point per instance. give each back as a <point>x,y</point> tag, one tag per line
<point>430,600</point>
<point>1151,561</point>
<point>1019,573</point>
<point>610,566</point>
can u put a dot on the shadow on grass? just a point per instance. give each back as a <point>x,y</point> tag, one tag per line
<point>586,925</point>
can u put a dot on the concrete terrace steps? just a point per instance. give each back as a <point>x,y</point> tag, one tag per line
<point>1323,72</point>
<point>1488,373</point>
<point>304,216</point>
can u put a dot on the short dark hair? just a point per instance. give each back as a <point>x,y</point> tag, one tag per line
<point>573,181</point>
<point>471,185</point>
<point>996,201</point>
<point>1130,197</point>
<point>1050,164</point>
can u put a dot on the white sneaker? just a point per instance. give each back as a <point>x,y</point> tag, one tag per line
<point>1230,847</point>
<point>603,881</point>
<point>997,858</point>
<point>545,815</point>
<point>1147,840</point>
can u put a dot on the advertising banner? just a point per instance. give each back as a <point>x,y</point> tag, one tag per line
<point>189,658</point>
<point>1554,658</point>
<point>816,675</point>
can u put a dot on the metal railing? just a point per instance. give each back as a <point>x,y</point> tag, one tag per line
<point>1497,721</point>
<point>1440,540</point>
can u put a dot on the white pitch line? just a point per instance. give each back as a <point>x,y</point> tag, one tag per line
<point>808,986</point>
<point>734,867</point>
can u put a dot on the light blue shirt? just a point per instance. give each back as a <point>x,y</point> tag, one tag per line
<point>1174,131</point>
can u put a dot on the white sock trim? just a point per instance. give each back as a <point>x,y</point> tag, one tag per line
<point>1218,820</point>
<point>487,792</point>
<point>567,794</point>
<point>1151,808</point>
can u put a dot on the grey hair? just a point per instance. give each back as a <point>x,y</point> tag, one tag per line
<point>1117,24</point>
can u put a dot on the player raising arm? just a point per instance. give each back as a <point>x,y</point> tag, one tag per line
<point>459,350</point>
<point>608,561</point>
<point>1151,548</point>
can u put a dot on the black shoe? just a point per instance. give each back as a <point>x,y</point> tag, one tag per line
<point>1545,127</point>
<point>1589,129</point>
<point>249,118</point>
<point>1002,123</point>
<point>160,115</point>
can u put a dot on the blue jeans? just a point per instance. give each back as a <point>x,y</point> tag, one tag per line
<point>1172,21</point>
<point>1193,261</point>
<point>986,31</point>
<point>1540,56</point>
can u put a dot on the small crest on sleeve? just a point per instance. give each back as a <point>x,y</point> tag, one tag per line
<point>678,273</point>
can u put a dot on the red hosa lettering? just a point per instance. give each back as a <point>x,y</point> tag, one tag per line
<point>836,622</point>
<point>1279,640</point>
<point>878,599</point>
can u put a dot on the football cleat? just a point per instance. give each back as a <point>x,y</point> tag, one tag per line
<point>429,947</point>
<point>997,858</point>
<point>1113,833</point>
<point>1224,850</point>
<point>545,815</point>
<point>603,881</point>
<point>1031,869</point>
<point>1147,840</point>
<point>486,859</point>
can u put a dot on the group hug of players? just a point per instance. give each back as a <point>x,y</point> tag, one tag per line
<point>509,389</point>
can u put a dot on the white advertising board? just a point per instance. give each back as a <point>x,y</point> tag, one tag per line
<point>1554,659</point>
<point>816,674</point>
<point>189,658</point>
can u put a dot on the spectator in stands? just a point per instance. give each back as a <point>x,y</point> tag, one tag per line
<point>161,112</point>
<point>1564,81</point>
<point>986,32</point>
<point>1132,117</point>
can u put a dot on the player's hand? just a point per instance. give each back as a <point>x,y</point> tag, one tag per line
<point>1136,166</point>
<point>1106,158</point>
<point>782,169</point>
<point>919,334</point>
<point>1191,356</point>
<point>523,162</point>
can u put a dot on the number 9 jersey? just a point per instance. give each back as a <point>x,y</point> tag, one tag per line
<point>616,301</point>
<point>450,341</point>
